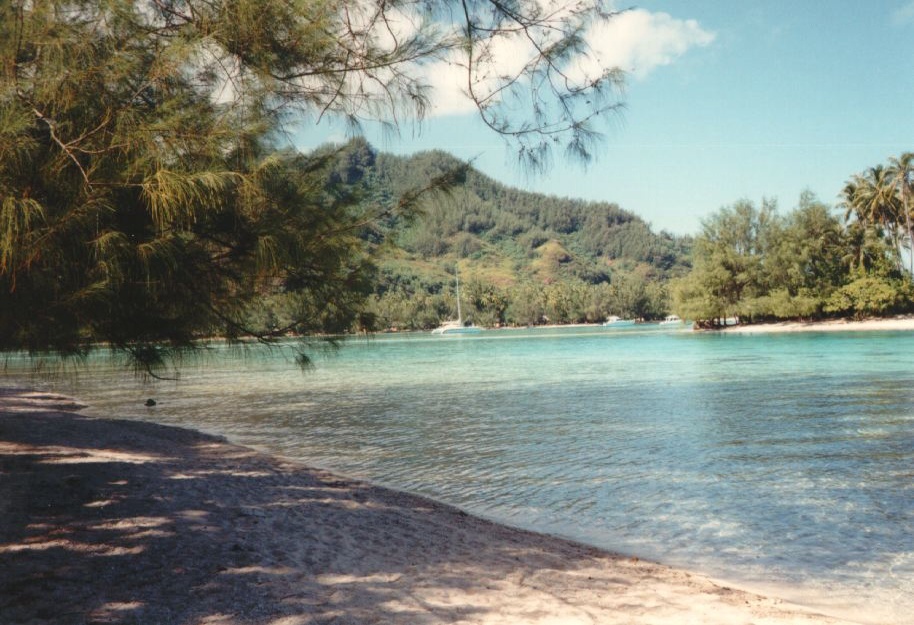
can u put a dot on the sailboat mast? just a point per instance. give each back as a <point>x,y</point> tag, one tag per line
<point>459,316</point>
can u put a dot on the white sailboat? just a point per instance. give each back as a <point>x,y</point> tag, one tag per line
<point>614,321</point>
<point>456,327</point>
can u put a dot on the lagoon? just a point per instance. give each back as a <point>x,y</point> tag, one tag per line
<point>782,463</point>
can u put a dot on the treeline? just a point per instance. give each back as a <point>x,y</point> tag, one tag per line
<point>528,259</point>
<point>754,264</point>
<point>522,304</point>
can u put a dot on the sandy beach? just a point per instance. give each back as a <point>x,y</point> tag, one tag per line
<point>117,522</point>
<point>837,325</point>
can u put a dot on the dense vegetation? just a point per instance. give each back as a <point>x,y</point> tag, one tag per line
<point>752,263</point>
<point>145,197</point>
<point>147,201</point>
<point>527,259</point>
<point>523,258</point>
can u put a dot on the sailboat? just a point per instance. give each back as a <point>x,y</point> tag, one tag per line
<point>456,327</point>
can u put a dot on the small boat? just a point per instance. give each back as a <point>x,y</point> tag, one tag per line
<point>672,320</point>
<point>456,326</point>
<point>617,322</point>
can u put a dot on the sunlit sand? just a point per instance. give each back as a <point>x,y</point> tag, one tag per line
<point>838,325</point>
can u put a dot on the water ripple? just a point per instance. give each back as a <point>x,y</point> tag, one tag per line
<point>757,458</point>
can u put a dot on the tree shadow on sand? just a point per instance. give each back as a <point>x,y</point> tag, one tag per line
<point>119,522</point>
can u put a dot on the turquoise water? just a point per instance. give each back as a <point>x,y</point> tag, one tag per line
<point>781,462</point>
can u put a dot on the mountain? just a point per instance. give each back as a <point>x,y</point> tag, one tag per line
<point>509,244</point>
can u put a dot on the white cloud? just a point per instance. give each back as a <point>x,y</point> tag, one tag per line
<point>637,41</point>
<point>448,82</point>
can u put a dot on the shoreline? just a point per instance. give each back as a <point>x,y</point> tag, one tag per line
<point>887,324</point>
<point>112,521</point>
<point>897,323</point>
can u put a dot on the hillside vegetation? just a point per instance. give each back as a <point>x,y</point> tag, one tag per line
<point>523,258</point>
<point>526,258</point>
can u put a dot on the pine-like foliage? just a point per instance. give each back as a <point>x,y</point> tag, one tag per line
<point>142,200</point>
<point>141,205</point>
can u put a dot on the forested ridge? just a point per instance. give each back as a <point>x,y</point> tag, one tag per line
<point>523,258</point>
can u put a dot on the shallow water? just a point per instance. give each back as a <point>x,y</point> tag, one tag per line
<point>781,462</point>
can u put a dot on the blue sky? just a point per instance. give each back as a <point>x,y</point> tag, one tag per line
<point>725,100</point>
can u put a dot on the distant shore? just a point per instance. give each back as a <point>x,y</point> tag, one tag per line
<point>112,521</point>
<point>905,322</point>
<point>831,325</point>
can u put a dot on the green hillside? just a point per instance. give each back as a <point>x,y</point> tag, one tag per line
<point>524,258</point>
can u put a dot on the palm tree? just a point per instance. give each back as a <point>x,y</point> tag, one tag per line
<point>900,175</point>
<point>850,203</point>
<point>857,230</point>
<point>871,197</point>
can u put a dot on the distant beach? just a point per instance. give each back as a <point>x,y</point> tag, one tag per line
<point>836,325</point>
<point>828,325</point>
<point>114,521</point>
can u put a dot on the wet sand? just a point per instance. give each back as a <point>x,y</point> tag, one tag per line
<point>124,522</point>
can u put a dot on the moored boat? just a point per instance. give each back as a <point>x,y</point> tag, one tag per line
<point>614,321</point>
<point>457,326</point>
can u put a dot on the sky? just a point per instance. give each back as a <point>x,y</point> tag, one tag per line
<point>724,100</point>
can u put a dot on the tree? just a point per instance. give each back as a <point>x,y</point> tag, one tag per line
<point>144,200</point>
<point>729,270</point>
<point>486,303</point>
<point>806,261</point>
<point>901,178</point>
<point>752,263</point>
<point>878,199</point>
<point>869,295</point>
<point>527,306</point>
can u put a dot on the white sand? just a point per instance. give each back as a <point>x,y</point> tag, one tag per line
<point>838,325</point>
<point>105,521</point>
